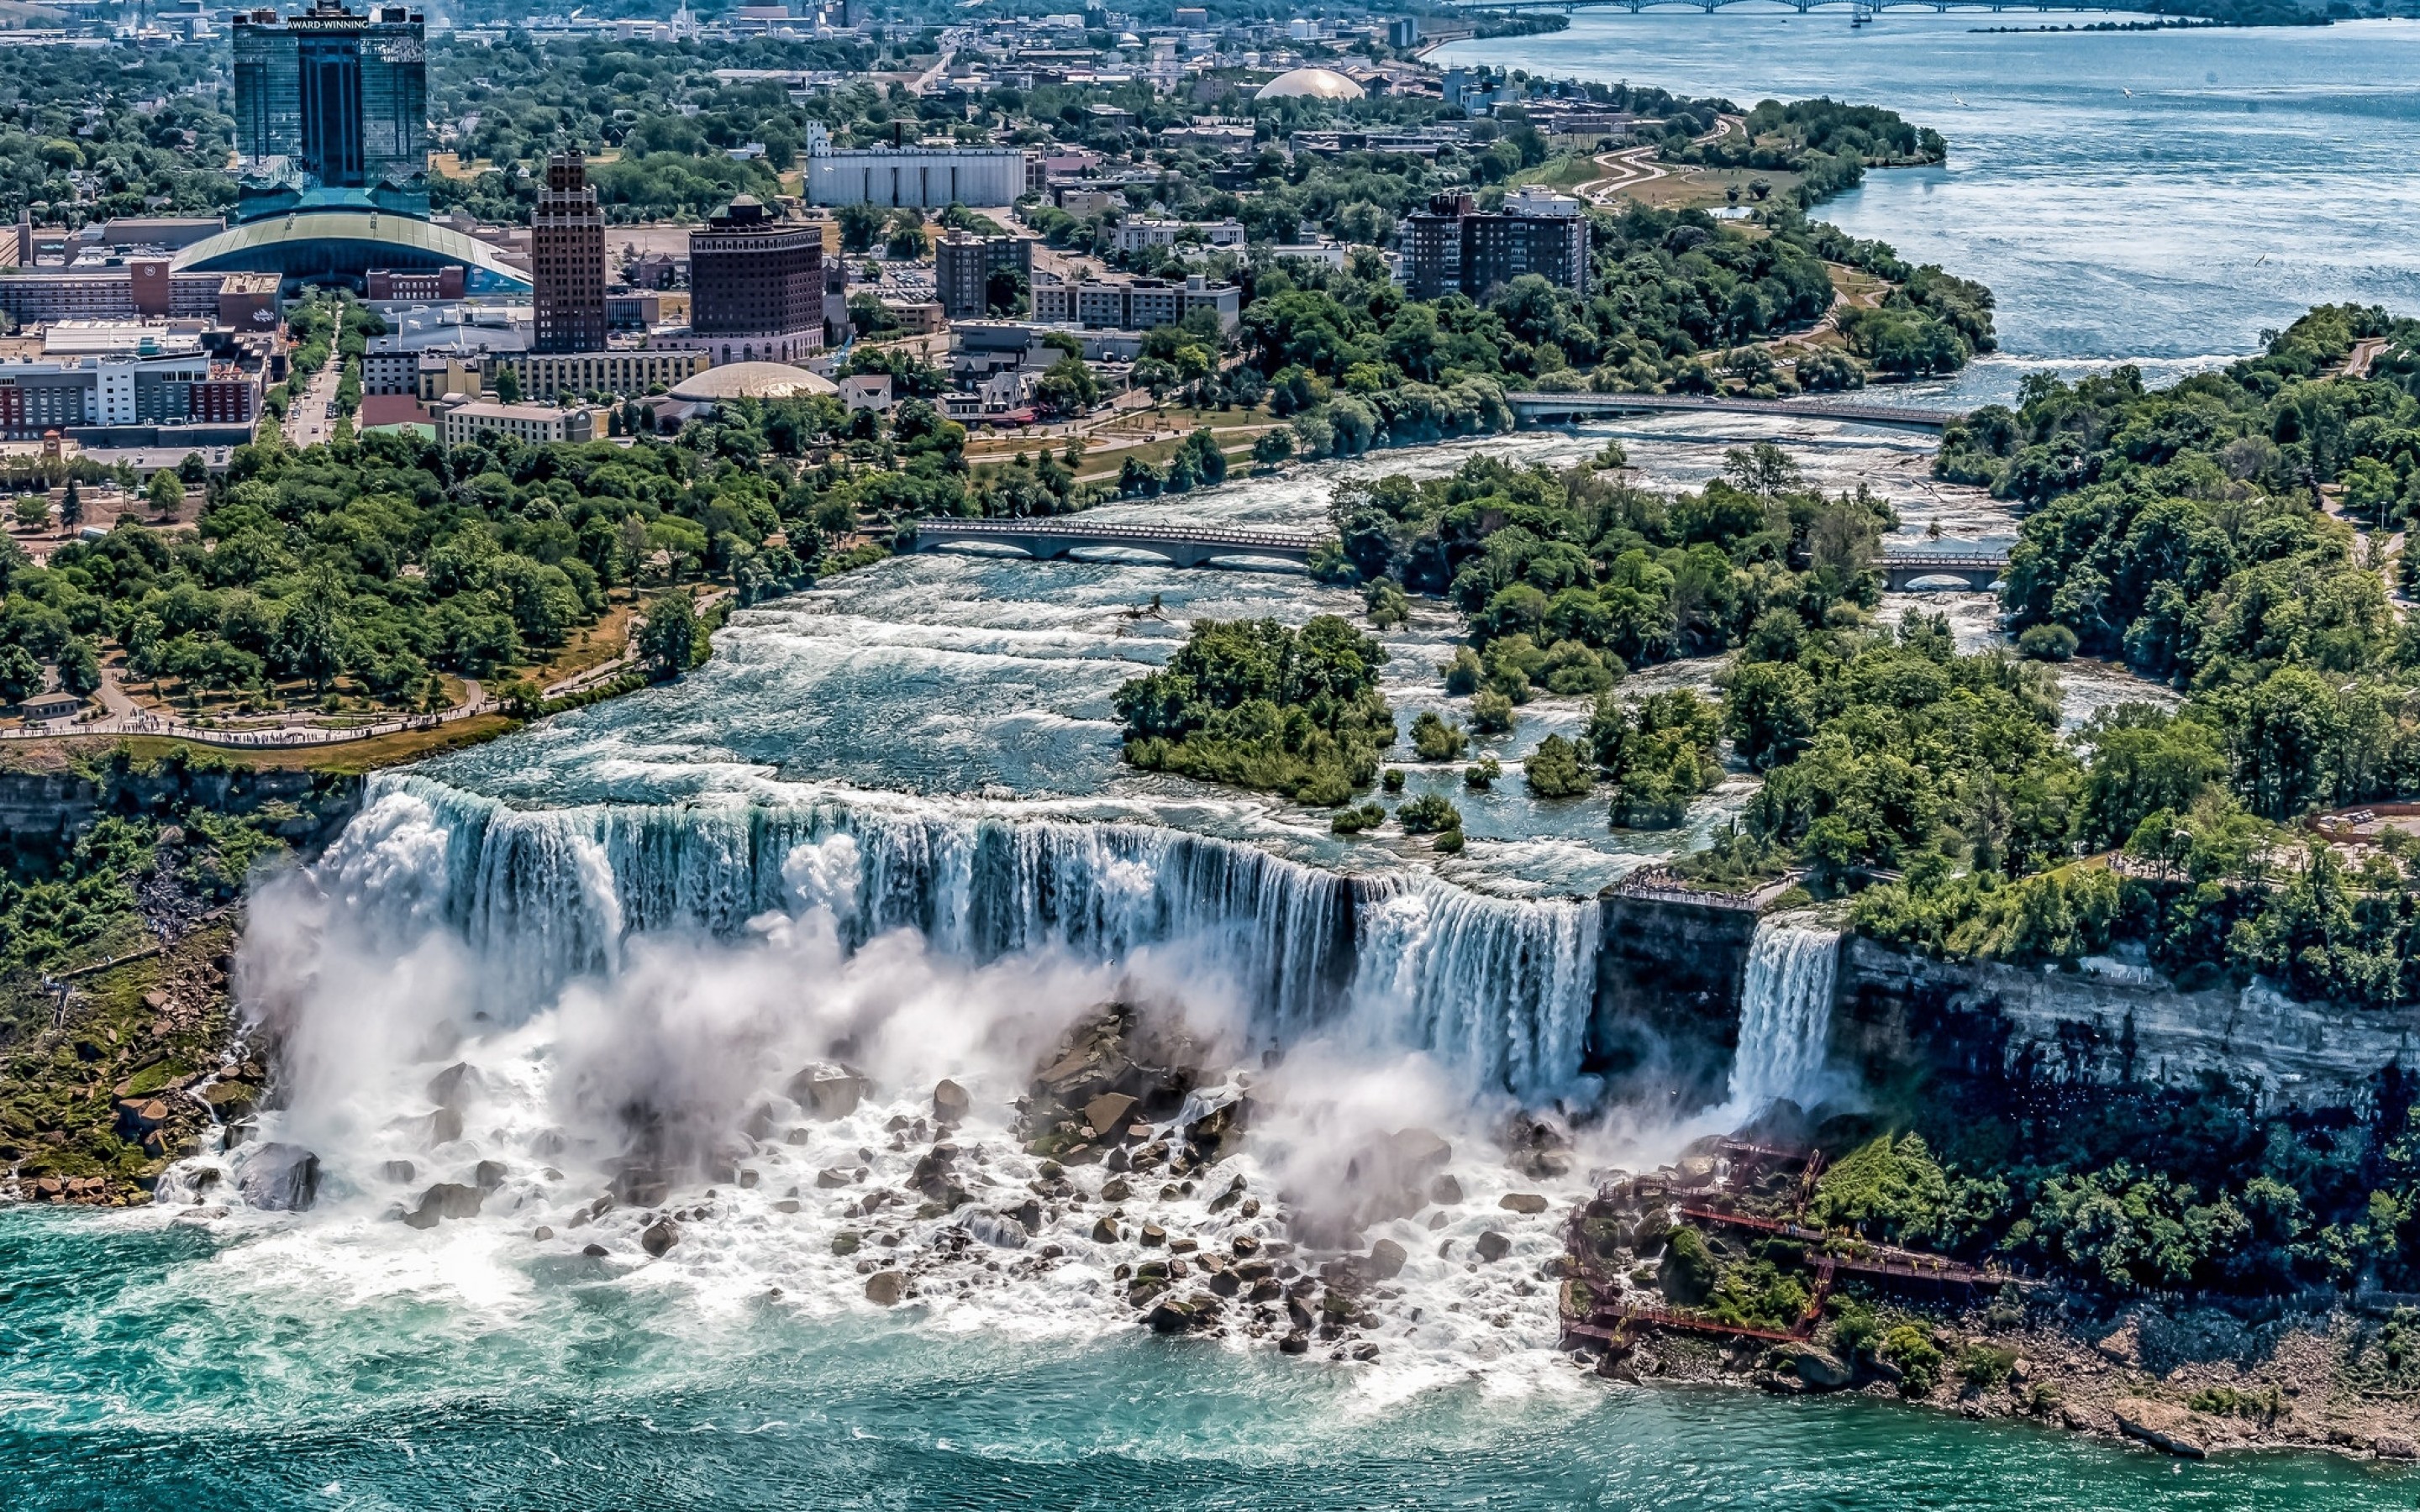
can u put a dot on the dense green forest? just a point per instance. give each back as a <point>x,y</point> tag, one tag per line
<point>87,134</point>
<point>365,569</point>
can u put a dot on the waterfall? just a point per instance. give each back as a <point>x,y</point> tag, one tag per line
<point>1501,991</point>
<point>1785,1015</point>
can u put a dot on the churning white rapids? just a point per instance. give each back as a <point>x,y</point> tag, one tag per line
<point>885,827</point>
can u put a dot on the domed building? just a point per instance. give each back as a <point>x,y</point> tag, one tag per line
<point>752,380</point>
<point>694,398</point>
<point>1310,84</point>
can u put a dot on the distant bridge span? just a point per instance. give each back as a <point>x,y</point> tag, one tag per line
<point>1980,571</point>
<point>1181,546</point>
<point>1863,9</point>
<point>1562,408</point>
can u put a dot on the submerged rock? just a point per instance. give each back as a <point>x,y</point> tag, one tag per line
<point>446,1199</point>
<point>398,1170</point>
<point>279,1178</point>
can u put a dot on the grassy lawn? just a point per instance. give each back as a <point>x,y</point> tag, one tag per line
<point>1706,189</point>
<point>1564,174</point>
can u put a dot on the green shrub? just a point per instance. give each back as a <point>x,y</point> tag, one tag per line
<point>1463,673</point>
<point>1491,713</point>
<point>1429,814</point>
<point>1354,821</point>
<point>2047,643</point>
<point>1482,774</point>
<point>1554,769</point>
<point>1986,1365</point>
<point>1437,739</point>
<point>1687,1273</point>
<point>1918,1359</point>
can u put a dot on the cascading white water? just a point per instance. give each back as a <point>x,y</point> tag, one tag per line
<point>1785,1015</point>
<point>1500,991</point>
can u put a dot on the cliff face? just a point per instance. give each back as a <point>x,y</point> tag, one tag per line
<point>44,810</point>
<point>1894,1015</point>
<point>1667,998</point>
<point>1670,974</point>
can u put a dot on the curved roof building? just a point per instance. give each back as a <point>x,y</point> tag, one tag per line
<point>343,242</point>
<point>1310,84</point>
<point>752,380</point>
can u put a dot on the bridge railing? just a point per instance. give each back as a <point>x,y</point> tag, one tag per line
<point>1813,408</point>
<point>1203,534</point>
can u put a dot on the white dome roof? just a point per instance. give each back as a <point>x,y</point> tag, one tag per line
<point>1310,84</point>
<point>752,380</point>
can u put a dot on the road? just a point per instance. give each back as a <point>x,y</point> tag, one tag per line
<point>307,423</point>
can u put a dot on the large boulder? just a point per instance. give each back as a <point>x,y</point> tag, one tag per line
<point>446,1199</point>
<point>1522,1202</point>
<point>1387,1259</point>
<point>829,1091</point>
<point>279,1178</point>
<point>1494,1246</point>
<point>1106,1113</point>
<point>449,1088</point>
<point>1820,1370</point>
<point>658,1237</point>
<point>1182,1315</point>
<point>951,1102</point>
<point>2161,1425</point>
<point>885,1287</point>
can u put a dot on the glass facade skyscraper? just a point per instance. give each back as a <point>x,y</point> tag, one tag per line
<point>330,100</point>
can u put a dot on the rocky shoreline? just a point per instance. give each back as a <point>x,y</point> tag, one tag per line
<point>2204,1385</point>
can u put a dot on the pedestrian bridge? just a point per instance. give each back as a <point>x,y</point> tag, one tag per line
<point>1181,546</point>
<point>1980,571</point>
<point>1564,408</point>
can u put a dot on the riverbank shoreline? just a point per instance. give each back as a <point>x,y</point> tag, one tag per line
<point>2135,1375</point>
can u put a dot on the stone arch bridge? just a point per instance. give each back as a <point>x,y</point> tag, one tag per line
<point>1181,545</point>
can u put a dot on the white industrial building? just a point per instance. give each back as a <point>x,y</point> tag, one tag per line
<point>928,178</point>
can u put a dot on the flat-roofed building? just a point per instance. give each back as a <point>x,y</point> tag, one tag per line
<point>631,372</point>
<point>535,424</point>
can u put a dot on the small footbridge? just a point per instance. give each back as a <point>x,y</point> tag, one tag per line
<point>1565,408</point>
<point>1979,571</point>
<point>1181,545</point>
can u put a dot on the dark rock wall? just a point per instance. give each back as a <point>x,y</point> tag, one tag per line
<point>1668,999</point>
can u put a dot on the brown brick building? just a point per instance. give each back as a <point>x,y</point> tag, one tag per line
<point>756,286</point>
<point>568,260</point>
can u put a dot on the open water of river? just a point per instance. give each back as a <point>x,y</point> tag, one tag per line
<point>2159,195</point>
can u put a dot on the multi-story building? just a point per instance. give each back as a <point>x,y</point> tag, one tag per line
<point>1132,304</point>
<point>182,394</point>
<point>413,286</point>
<point>143,288</point>
<point>756,286</point>
<point>962,266</point>
<point>333,98</point>
<point>629,372</point>
<point>568,260</point>
<point>926,177</point>
<point>1452,249</point>
<point>467,421</point>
